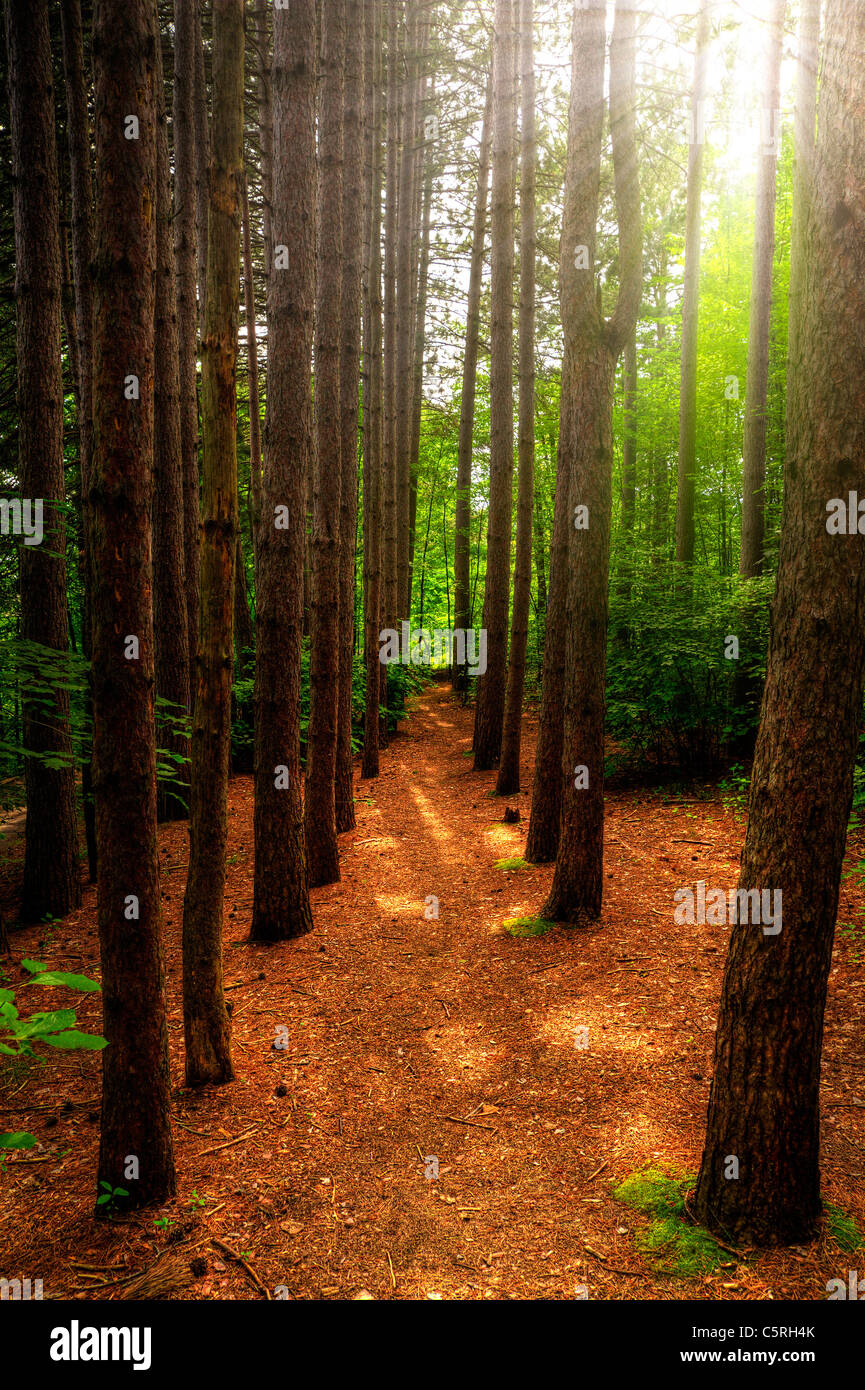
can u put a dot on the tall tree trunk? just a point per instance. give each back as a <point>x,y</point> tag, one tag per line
<point>349,382</point>
<point>592,348</point>
<point>629,482</point>
<point>389,494</point>
<point>489,710</point>
<point>281,898</point>
<point>205,1018</point>
<point>81,188</point>
<point>265,127</point>
<point>462,536</point>
<point>404,317</point>
<point>509,764</point>
<point>757,386</point>
<point>691,301</point>
<point>244,632</point>
<point>169,576</point>
<point>372,397</point>
<point>759,1178</point>
<point>51,848</point>
<point>319,804</point>
<point>202,166</point>
<point>185,29</point>
<point>425,160</point>
<point>803,164</point>
<point>252,363</point>
<point>135,1074</point>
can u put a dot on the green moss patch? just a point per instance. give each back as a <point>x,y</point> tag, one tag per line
<point>510,864</point>
<point>672,1243</point>
<point>527,926</point>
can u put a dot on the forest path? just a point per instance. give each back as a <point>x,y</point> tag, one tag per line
<point>410,1039</point>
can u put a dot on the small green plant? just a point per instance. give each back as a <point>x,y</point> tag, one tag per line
<point>162,1222</point>
<point>196,1201</point>
<point>527,926</point>
<point>686,1249</point>
<point>109,1195</point>
<point>842,1228</point>
<point>55,1027</point>
<point>734,788</point>
<point>510,864</point>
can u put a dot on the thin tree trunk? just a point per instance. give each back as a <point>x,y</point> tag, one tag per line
<point>281,897</point>
<point>404,318</point>
<point>202,166</point>
<point>424,157</point>
<point>265,127</point>
<point>136,1101</point>
<point>349,374</point>
<point>803,165</point>
<point>592,348</point>
<point>629,482</point>
<point>51,881</point>
<point>206,1023</point>
<point>509,763</point>
<point>691,301</point>
<point>81,188</point>
<point>319,804</point>
<point>252,361</point>
<point>462,537</point>
<point>372,399</point>
<point>169,577</point>
<point>489,710</point>
<point>244,632</point>
<point>759,1178</point>
<point>185,29</point>
<point>757,386</point>
<point>389,495</point>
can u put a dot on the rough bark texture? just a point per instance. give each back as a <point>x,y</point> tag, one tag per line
<point>206,1023</point>
<point>135,1074</point>
<point>404,317</point>
<point>51,881</point>
<point>508,779</point>
<point>808,61</point>
<point>349,374</point>
<point>425,163</point>
<point>81,191</point>
<point>489,710</point>
<point>252,363</point>
<point>592,349</point>
<point>319,804</point>
<point>757,384</point>
<point>691,302</point>
<point>372,397</point>
<point>265,133</point>
<point>764,1100</point>
<point>170,613</point>
<point>202,165</point>
<point>388,482</point>
<point>185,27</point>
<point>281,898</point>
<point>462,524</point>
<point>629,481</point>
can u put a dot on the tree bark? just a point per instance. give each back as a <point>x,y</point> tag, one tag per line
<point>404,317</point>
<point>691,302</point>
<point>509,763</point>
<point>807,66</point>
<point>169,577</point>
<point>135,1072</point>
<point>349,383</point>
<point>764,1099</point>
<point>489,710</point>
<point>462,536</point>
<point>252,364</point>
<point>389,471</point>
<point>202,166</point>
<point>757,385</point>
<point>185,29</point>
<point>51,878</point>
<point>320,804</point>
<point>206,1023</point>
<point>592,348</point>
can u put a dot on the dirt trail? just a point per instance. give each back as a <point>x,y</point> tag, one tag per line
<point>530,1074</point>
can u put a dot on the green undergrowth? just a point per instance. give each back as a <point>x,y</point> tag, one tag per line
<point>671,1242</point>
<point>510,864</point>
<point>842,1228</point>
<point>528,926</point>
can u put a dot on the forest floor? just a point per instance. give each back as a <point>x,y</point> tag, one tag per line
<point>411,1038</point>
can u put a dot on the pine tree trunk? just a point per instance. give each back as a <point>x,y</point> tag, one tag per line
<point>691,302</point>
<point>349,374</point>
<point>629,483</point>
<point>404,317</point>
<point>372,397</point>
<point>202,165</point>
<point>206,1023</point>
<point>462,536</point>
<point>319,803</point>
<point>185,28</point>
<point>252,364</point>
<point>169,576</point>
<point>808,62</point>
<point>389,473</point>
<point>425,161</point>
<point>135,1073</point>
<point>489,710</point>
<point>592,349</point>
<point>757,386</point>
<point>509,764</point>
<point>51,878</point>
<point>764,1101</point>
<point>265,127</point>
<point>81,188</point>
